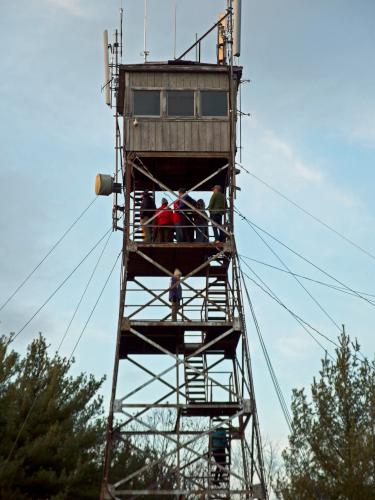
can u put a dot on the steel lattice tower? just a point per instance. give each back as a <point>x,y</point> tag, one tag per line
<point>176,382</point>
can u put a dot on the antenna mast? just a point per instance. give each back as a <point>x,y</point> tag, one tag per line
<point>145,51</point>
<point>175,30</point>
<point>121,16</point>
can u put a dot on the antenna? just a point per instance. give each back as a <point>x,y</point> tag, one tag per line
<point>221,39</point>
<point>107,79</point>
<point>175,30</point>
<point>145,51</point>
<point>237,27</point>
<point>121,16</point>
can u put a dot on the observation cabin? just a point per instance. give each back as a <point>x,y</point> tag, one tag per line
<point>178,120</point>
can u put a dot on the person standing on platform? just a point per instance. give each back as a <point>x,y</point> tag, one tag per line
<point>148,208</point>
<point>178,221</point>
<point>175,293</point>
<point>187,212</point>
<point>201,223</point>
<point>217,207</point>
<point>163,223</point>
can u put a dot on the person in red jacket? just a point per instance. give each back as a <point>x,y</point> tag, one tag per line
<point>178,221</point>
<point>164,222</point>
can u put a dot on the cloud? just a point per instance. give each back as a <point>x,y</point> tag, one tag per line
<point>302,170</point>
<point>306,180</point>
<point>71,6</point>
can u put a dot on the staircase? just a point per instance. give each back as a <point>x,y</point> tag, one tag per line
<point>219,486</point>
<point>217,298</point>
<point>137,230</point>
<point>196,383</point>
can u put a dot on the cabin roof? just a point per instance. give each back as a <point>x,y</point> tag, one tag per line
<point>178,66</point>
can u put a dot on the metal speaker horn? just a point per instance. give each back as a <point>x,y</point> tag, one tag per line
<point>106,185</point>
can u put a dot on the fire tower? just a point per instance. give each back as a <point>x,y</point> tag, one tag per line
<point>178,381</point>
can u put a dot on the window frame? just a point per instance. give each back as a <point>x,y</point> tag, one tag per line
<point>218,117</point>
<point>186,117</point>
<point>163,109</point>
<point>147,89</point>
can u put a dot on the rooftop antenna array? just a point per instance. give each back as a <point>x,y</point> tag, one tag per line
<point>237,7</point>
<point>228,35</point>
<point>112,58</point>
<point>107,79</point>
<point>222,39</point>
<point>107,184</point>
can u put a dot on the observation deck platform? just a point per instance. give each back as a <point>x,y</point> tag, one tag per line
<point>153,259</point>
<point>170,335</point>
<point>211,409</point>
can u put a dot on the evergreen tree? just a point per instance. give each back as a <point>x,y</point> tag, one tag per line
<point>331,453</point>
<point>51,427</point>
<point>52,432</point>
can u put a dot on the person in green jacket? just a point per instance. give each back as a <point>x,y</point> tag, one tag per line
<point>217,207</point>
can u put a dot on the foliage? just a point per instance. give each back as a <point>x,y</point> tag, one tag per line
<point>331,453</point>
<point>51,427</point>
<point>159,450</point>
<point>52,432</point>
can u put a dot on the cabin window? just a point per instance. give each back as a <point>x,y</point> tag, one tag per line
<point>214,103</point>
<point>146,102</point>
<point>180,103</point>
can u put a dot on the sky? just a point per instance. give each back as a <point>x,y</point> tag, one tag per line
<point>310,134</point>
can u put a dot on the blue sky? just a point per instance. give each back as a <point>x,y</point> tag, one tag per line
<point>311,134</point>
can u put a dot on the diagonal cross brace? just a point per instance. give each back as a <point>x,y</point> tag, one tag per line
<point>164,372</point>
<point>183,361</point>
<point>170,191</point>
<point>183,280</point>
<point>187,443</point>
<point>181,386</point>
<point>185,446</point>
<point>151,292</point>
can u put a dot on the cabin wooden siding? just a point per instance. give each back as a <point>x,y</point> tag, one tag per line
<point>175,134</point>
